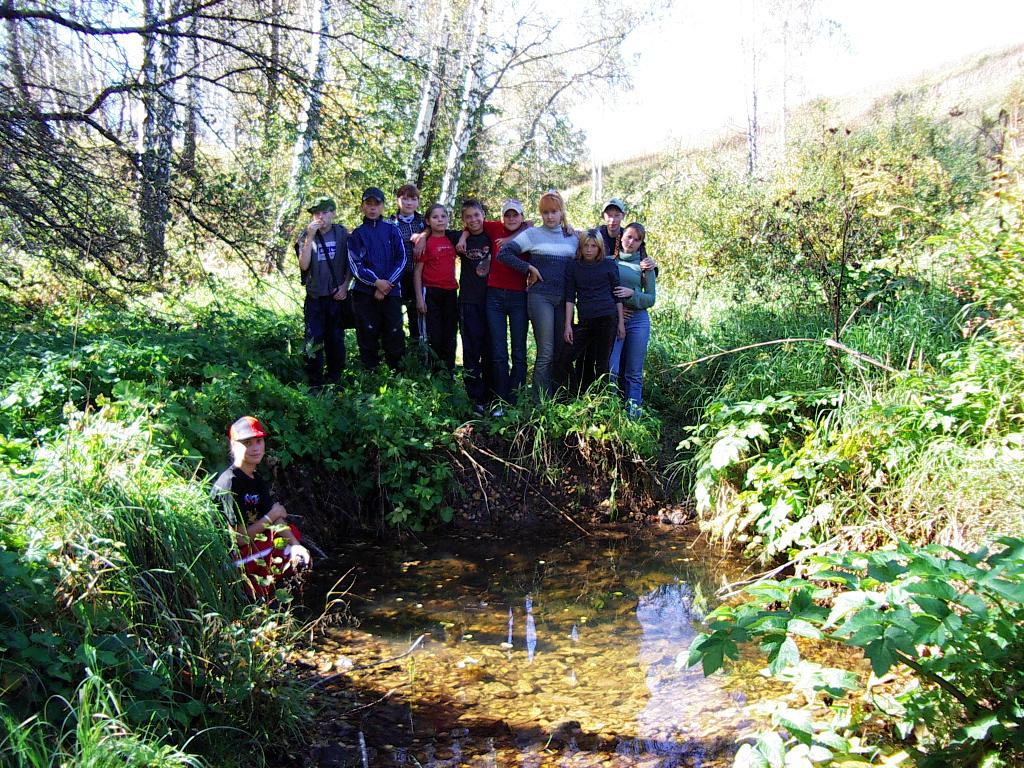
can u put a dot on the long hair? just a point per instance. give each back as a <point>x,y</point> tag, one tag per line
<point>642,250</point>
<point>590,236</point>
<point>552,196</point>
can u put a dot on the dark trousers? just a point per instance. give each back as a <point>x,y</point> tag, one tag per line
<point>324,338</point>
<point>409,300</point>
<point>379,323</point>
<point>442,324</point>
<point>586,358</point>
<point>476,355</point>
<point>507,323</point>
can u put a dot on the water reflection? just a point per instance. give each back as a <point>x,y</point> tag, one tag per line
<point>590,679</point>
<point>531,630</point>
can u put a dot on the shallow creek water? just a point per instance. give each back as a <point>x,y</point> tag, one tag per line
<point>553,650</point>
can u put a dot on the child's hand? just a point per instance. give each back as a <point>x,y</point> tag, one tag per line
<point>341,294</point>
<point>299,557</point>
<point>568,334</point>
<point>419,245</point>
<point>533,276</point>
<point>379,295</point>
<point>460,247</point>
<point>621,333</point>
<point>648,263</point>
<point>277,513</point>
<point>383,286</point>
<point>421,306</point>
<point>623,292</point>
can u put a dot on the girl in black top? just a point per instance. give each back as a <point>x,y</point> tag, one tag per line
<point>590,283</point>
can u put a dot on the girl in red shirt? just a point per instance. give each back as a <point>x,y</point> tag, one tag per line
<point>436,287</point>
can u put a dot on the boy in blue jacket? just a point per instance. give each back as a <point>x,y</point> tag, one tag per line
<point>376,255</point>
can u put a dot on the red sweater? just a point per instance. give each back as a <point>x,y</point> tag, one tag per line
<point>502,276</point>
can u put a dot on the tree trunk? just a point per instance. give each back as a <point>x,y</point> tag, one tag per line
<point>467,105</point>
<point>158,138</point>
<point>753,126</point>
<point>426,122</point>
<point>17,68</point>
<point>273,76</point>
<point>188,147</point>
<point>302,153</point>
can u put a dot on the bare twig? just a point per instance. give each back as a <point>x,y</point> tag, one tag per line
<point>831,343</point>
<point>331,678</point>
<point>737,587</point>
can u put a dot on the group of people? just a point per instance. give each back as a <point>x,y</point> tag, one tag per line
<point>585,294</point>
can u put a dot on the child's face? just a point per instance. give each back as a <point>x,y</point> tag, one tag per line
<point>512,220</point>
<point>473,219</point>
<point>439,220</point>
<point>551,217</point>
<point>248,451</point>
<point>613,218</point>
<point>324,219</point>
<point>407,205</point>
<point>372,208</point>
<point>631,241</point>
<point>591,250</point>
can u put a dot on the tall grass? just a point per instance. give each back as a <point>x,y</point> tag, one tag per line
<point>118,593</point>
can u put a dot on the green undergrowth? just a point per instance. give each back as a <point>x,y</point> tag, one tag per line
<point>948,620</point>
<point>386,440</point>
<point>124,629</point>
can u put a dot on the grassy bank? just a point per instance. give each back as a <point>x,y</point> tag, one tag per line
<point>124,631</point>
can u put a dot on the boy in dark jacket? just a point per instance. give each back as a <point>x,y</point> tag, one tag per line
<point>322,250</point>
<point>410,223</point>
<point>377,258</point>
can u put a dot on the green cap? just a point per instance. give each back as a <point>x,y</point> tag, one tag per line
<point>322,204</point>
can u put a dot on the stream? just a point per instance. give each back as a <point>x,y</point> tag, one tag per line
<point>554,649</point>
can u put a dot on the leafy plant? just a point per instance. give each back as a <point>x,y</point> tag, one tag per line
<point>952,620</point>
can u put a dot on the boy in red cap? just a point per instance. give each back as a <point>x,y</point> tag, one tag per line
<point>268,545</point>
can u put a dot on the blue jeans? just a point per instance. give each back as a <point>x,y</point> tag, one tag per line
<point>627,360</point>
<point>476,352</point>
<point>507,321</point>
<point>547,315</point>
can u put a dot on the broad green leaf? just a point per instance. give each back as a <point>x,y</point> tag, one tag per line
<point>798,723</point>
<point>748,757</point>
<point>979,729</point>
<point>784,655</point>
<point>803,628</point>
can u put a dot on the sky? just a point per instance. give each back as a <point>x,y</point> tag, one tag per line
<point>690,74</point>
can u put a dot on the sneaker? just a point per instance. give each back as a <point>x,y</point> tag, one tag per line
<point>498,412</point>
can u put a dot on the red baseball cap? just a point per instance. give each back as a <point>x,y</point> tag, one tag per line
<point>246,427</point>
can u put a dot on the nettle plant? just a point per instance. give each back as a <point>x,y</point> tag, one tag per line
<point>949,624</point>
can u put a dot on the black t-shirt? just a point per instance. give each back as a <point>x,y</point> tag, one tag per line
<point>244,499</point>
<point>476,265</point>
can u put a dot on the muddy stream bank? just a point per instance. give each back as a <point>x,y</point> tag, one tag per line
<point>550,648</point>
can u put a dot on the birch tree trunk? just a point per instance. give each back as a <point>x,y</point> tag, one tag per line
<point>192,100</point>
<point>426,121</point>
<point>302,152</point>
<point>753,126</point>
<point>160,54</point>
<point>467,105</point>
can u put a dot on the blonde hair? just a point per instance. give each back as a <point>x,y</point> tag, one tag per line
<point>552,196</point>
<point>588,236</point>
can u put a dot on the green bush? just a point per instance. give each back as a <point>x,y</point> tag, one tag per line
<point>952,620</point>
